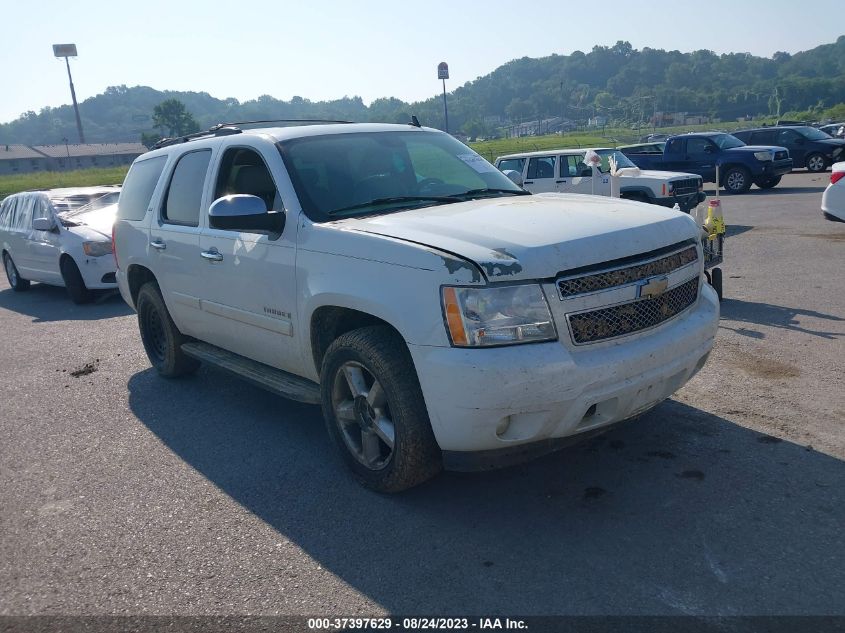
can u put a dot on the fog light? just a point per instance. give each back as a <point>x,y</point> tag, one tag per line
<point>503,426</point>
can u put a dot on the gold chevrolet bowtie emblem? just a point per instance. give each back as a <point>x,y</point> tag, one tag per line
<point>654,287</point>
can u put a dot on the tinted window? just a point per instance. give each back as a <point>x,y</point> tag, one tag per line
<point>184,195</point>
<point>697,145</point>
<point>138,188</point>
<point>763,137</point>
<point>572,166</point>
<point>787,137</point>
<point>675,146</point>
<point>541,167</point>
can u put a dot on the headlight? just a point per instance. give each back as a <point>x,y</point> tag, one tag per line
<point>763,156</point>
<point>478,317</point>
<point>96,249</point>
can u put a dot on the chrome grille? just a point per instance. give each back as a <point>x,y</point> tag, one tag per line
<point>627,318</point>
<point>685,186</point>
<point>622,276</point>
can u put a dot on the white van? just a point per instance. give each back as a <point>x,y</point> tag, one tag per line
<point>60,237</point>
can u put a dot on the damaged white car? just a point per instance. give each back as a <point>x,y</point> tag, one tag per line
<point>60,237</point>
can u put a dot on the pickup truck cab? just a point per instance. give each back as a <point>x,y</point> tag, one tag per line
<point>564,171</point>
<point>439,314</point>
<point>739,164</point>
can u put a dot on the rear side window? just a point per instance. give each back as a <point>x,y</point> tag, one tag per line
<point>542,167</point>
<point>184,195</point>
<point>675,146</point>
<point>138,188</point>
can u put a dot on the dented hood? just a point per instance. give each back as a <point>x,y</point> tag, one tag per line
<point>535,237</point>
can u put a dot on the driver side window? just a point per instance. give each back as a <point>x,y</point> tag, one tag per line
<point>242,170</point>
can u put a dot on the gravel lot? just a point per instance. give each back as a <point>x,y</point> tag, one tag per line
<point>122,493</point>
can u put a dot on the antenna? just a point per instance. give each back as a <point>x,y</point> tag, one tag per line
<point>415,121</point>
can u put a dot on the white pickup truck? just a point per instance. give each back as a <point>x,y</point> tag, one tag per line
<point>564,171</point>
<point>441,315</point>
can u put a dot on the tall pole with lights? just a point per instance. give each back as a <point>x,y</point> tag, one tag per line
<point>66,51</point>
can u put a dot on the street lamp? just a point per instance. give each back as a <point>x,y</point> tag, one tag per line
<point>69,50</point>
<point>443,73</point>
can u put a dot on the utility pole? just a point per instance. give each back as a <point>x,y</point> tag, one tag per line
<point>66,51</point>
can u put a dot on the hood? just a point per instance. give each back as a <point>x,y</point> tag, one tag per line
<point>835,142</point>
<point>535,237</point>
<point>100,220</point>
<point>663,175</point>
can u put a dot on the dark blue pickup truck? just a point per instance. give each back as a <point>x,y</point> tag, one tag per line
<point>740,165</point>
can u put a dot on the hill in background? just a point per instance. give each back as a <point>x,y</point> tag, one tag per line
<point>619,82</point>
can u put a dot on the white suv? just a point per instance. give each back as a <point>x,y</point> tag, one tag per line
<point>60,237</point>
<point>441,315</point>
<point>564,171</point>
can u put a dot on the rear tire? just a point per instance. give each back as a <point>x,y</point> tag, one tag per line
<point>161,338</point>
<point>74,283</point>
<point>736,180</point>
<point>815,163</point>
<point>15,280</point>
<point>767,183</point>
<point>375,412</point>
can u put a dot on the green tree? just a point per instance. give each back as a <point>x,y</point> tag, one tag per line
<point>173,119</point>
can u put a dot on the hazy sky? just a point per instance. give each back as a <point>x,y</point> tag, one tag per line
<point>330,48</point>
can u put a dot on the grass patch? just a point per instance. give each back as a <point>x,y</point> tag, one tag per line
<point>55,179</point>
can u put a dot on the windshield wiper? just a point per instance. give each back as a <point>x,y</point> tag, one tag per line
<point>476,192</point>
<point>377,201</point>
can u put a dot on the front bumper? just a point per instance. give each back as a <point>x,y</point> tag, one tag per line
<point>506,397</point>
<point>98,273</point>
<point>777,167</point>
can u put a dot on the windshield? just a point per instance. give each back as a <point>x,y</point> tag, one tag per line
<point>76,204</point>
<point>726,141</point>
<point>342,175</point>
<point>812,133</point>
<point>621,160</point>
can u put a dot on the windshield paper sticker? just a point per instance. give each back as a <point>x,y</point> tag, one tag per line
<point>477,163</point>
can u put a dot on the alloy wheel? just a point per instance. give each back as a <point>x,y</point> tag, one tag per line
<point>363,415</point>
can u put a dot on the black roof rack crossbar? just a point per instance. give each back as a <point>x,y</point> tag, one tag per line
<point>226,129</point>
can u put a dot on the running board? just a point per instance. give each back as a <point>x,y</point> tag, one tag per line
<point>273,380</point>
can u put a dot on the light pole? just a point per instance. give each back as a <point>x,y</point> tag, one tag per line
<point>443,73</point>
<point>69,50</point>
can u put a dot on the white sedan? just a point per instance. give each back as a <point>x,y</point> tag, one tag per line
<point>833,198</point>
<point>60,237</point>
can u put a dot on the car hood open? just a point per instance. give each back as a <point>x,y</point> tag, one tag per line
<point>535,237</point>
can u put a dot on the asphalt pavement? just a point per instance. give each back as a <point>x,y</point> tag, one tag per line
<point>124,493</point>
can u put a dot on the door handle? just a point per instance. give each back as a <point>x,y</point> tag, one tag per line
<point>158,245</point>
<point>528,182</point>
<point>212,255</point>
<point>560,181</point>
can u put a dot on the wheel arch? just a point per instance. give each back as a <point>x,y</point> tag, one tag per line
<point>136,276</point>
<point>328,322</point>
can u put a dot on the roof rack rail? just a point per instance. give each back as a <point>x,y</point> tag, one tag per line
<point>227,129</point>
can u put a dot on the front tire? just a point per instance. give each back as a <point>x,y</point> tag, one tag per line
<point>15,280</point>
<point>816,163</point>
<point>736,180</point>
<point>375,412</point>
<point>767,183</point>
<point>161,338</point>
<point>75,285</point>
